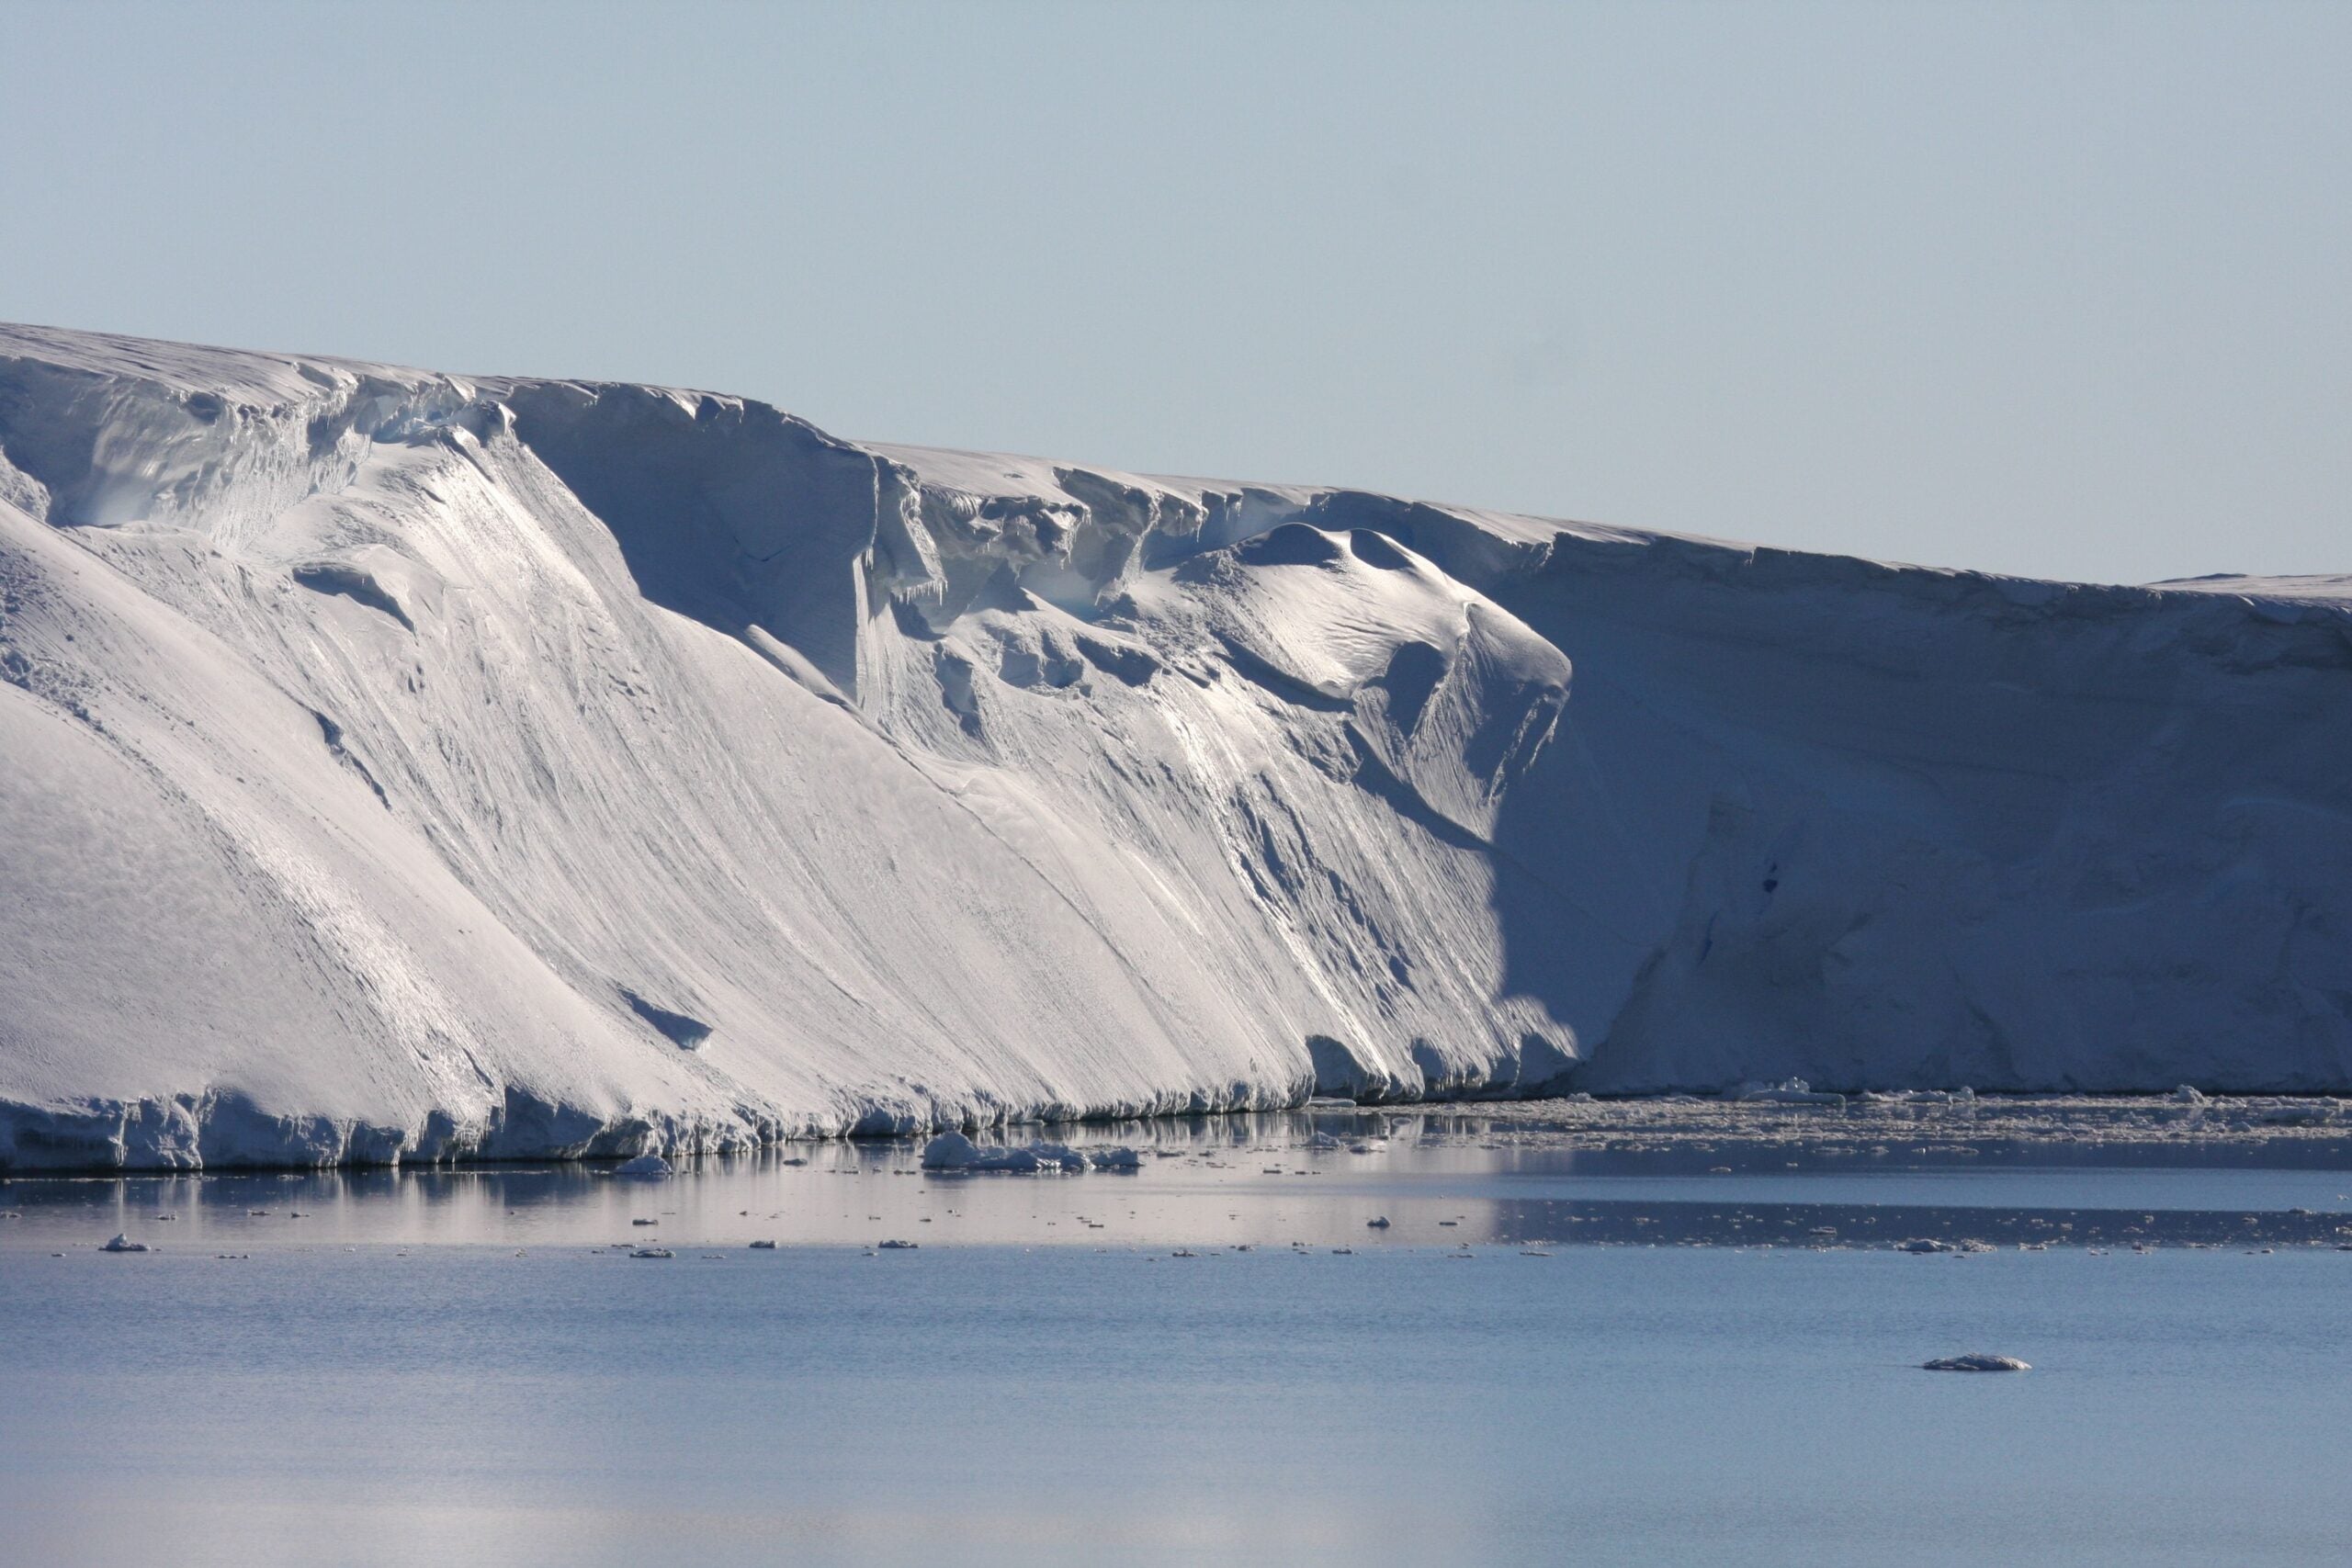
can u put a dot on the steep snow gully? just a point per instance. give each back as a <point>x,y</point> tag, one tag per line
<point>397,766</point>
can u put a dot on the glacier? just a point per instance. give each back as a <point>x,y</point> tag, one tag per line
<point>399,766</point>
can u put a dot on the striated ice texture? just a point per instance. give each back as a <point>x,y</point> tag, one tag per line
<point>397,766</point>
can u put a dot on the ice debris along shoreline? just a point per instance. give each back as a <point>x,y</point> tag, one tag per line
<point>1958,1121</point>
<point>404,767</point>
<point>2110,1177</point>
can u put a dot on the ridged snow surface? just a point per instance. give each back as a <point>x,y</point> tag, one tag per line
<point>402,766</point>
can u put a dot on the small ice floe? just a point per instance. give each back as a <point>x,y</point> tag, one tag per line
<point>1925,1244</point>
<point>653,1252</point>
<point>953,1151</point>
<point>1183,1252</point>
<point>896,1246</point>
<point>1789,1092</point>
<point>652,1167</point>
<point>122,1243</point>
<point>764,1247</point>
<point>1534,1252</point>
<point>1343,1252</point>
<point>1322,1141</point>
<point>1976,1363</point>
<point>645,1221</point>
<point>1377,1222</point>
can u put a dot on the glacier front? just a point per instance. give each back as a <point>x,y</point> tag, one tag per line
<point>397,766</point>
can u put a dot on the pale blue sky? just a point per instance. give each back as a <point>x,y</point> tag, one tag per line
<point>2062,288</point>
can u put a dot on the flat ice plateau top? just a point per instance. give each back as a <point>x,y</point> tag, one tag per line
<point>399,766</point>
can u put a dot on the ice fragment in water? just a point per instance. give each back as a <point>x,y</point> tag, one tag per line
<point>1976,1363</point>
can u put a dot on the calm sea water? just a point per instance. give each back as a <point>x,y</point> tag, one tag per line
<point>463,1368</point>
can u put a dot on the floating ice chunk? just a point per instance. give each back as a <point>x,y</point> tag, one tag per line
<point>124,1243</point>
<point>652,1166</point>
<point>1322,1141</point>
<point>1977,1362</point>
<point>653,1252</point>
<point>1925,1244</point>
<point>953,1151</point>
<point>763,1245</point>
<point>897,1246</point>
<point>950,1151</point>
<point>1117,1157</point>
<point>1790,1091</point>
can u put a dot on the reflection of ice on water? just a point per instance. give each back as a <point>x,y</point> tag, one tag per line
<point>1526,1176</point>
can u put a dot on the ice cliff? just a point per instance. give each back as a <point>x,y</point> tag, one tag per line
<point>399,766</point>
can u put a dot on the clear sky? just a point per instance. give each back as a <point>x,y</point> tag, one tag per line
<point>2062,288</point>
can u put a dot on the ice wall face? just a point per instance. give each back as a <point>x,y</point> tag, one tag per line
<point>402,766</point>
<point>1928,828</point>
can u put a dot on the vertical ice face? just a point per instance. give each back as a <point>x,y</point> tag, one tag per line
<point>399,765</point>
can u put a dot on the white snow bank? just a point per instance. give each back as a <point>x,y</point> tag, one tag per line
<point>399,766</point>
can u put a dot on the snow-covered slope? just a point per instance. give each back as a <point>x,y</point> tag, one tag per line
<point>396,765</point>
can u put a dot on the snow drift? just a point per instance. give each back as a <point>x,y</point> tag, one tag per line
<point>399,766</point>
